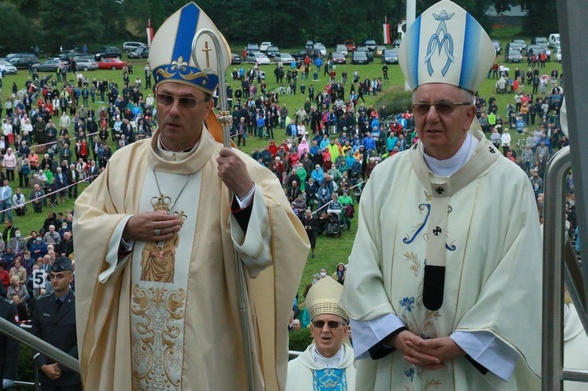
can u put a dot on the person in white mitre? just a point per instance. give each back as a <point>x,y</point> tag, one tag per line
<point>170,217</point>
<point>327,363</point>
<point>444,290</point>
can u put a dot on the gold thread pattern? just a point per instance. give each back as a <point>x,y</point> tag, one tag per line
<point>157,350</point>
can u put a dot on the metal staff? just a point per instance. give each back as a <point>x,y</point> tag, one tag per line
<point>225,118</point>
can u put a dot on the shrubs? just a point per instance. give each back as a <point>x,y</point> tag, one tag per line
<point>299,340</point>
<point>396,99</point>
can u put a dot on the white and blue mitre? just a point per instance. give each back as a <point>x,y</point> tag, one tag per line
<point>445,44</point>
<point>183,50</point>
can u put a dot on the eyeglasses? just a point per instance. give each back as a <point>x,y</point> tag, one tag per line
<point>185,102</point>
<point>443,107</point>
<point>333,324</point>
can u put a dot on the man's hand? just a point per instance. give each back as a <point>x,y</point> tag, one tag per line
<point>443,349</point>
<point>408,344</point>
<point>52,371</point>
<point>151,227</point>
<point>233,172</point>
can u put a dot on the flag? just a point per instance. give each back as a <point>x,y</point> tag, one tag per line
<point>149,33</point>
<point>387,39</point>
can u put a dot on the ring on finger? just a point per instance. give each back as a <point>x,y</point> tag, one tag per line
<point>157,232</point>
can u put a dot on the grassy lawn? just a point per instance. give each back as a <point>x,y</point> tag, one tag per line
<point>330,251</point>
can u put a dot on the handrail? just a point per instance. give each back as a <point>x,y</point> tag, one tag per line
<point>36,343</point>
<point>554,260</point>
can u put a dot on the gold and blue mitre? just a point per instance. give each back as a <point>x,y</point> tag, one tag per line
<point>445,44</point>
<point>323,298</point>
<point>179,54</point>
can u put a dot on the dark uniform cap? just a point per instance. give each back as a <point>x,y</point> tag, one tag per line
<point>61,264</point>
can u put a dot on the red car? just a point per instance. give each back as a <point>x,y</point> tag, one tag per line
<point>350,45</point>
<point>111,63</point>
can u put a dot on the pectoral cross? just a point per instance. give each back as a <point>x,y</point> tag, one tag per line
<point>206,50</point>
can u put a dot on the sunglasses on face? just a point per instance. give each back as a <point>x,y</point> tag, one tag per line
<point>332,324</point>
<point>184,101</point>
<point>444,107</point>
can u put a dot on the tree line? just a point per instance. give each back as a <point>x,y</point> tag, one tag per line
<point>68,23</point>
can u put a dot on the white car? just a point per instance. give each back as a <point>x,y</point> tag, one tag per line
<point>321,47</point>
<point>258,58</point>
<point>8,68</point>
<point>264,45</point>
<point>558,55</point>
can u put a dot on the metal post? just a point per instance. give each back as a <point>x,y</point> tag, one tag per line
<point>553,276</point>
<point>225,119</point>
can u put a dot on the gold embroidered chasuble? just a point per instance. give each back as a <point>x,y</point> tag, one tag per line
<point>136,334</point>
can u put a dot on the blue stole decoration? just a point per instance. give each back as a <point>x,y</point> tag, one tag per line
<point>329,379</point>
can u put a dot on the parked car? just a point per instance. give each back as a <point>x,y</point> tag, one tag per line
<point>86,64</point>
<point>368,53</point>
<point>140,52</point>
<point>360,57</point>
<point>111,63</point>
<point>350,45</point>
<point>521,43</point>
<point>379,51</point>
<point>23,60</point>
<point>284,57</point>
<point>371,44</point>
<point>49,65</point>
<point>264,45</point>
<point>541,41</point>
<point>558,55</point>
<point>257,58</point>
<point>535,49</point>
<point>497,46</point>
<point>309,44</point>
<point>302,53</point>
<point>130,46</point>
<point>321,48</point>
<point>341,48</point>
<point>514,56</point>
<point>338,58</point>
<point>554,41</point>
<point>108,52</point>
<point>390,56</point>
<point>272,51</point>
<point>8,68</point>
<point>514,45</point>
<point>396,43</point>
<point>236,59</point>
<point>252,48</point>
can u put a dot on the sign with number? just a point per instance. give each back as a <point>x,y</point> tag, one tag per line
<point>39,278</point>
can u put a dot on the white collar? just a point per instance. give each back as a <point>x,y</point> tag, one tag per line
<point>328,362</point>
<point>172,155</point>
<point>450,166</point>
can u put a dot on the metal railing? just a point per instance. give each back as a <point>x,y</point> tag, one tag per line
<point>558,261</point>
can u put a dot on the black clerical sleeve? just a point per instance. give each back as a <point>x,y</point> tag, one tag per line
<point>242,215</point>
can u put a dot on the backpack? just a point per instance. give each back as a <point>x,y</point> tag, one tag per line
<point>349,211</point>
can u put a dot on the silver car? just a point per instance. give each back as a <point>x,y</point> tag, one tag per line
<point>86,64</point>
<point>8,68</point>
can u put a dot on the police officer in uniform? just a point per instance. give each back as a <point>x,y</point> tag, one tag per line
<point>8,346</point>
<point>54,320</point>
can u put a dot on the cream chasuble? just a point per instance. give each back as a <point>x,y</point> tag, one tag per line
<point>138,332</point>
<point>491,251</point>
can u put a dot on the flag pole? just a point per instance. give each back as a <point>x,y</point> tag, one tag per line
<point>225,118</point>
